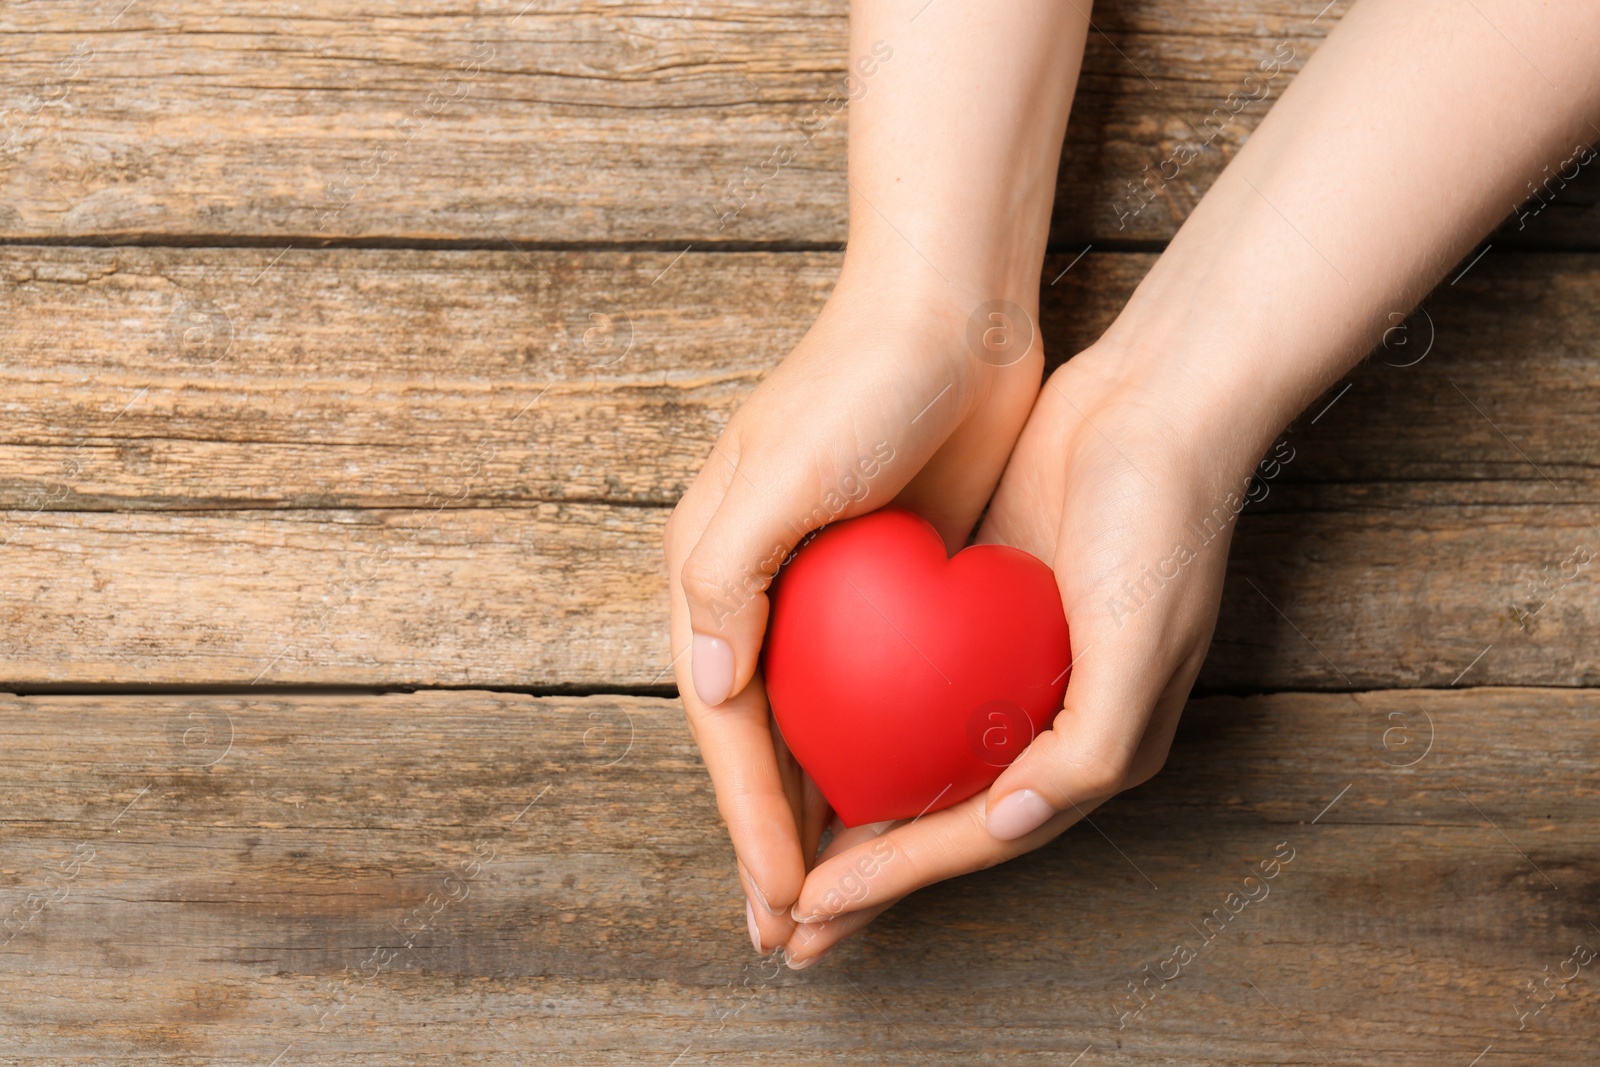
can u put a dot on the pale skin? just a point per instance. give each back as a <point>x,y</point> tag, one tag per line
<point>1410,133</point>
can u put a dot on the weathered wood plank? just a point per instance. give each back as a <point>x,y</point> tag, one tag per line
<point>218,378</point>
<point>1418,596</point>
<point>545,596</point>
<point>477,878</point>
<point>383,467</point>
<point>214,378</point>
<point>606,121</point>
<point>557,595</point>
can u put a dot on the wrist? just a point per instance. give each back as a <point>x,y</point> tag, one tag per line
<point>1252,313</point>
<point>1213,406</point>
<point>892,269</point>
<point>1230,353</point>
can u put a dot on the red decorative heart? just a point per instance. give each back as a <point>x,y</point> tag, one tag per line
<point>905,681</point>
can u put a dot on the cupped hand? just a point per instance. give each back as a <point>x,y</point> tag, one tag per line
<point>884,399</point>
<point>1129,489</point>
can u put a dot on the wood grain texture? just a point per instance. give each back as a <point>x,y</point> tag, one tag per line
<point>553,595</point>
<point>234,378</point>
<point>605,121</point>
<point>477,878</point>
<point>213,378</point>
<point>415,468</point>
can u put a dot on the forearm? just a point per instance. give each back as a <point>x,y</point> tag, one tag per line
<point>1415,128</point>
<point>955,137</point>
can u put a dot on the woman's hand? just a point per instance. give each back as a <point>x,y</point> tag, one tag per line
<point>1129,491</point>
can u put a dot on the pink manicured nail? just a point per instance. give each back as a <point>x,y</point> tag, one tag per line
<point>803,964</point>
<point>750,920</point>
<point>711,664</point>
<point>1017,814</point>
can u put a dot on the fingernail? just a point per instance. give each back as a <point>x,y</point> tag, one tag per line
<point>756,893</point>
<point>803,964</point>
<point>711,664</point>
<point>750,921</point>
<point>794,913</point>
<point>1017,814</point>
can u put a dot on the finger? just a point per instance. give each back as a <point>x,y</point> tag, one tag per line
<point>842,841</point>
<point>770,928</point>
<point>874,872</point>
<point>771,499</point>
<point>794,778</point>
<point>849,837</point>
<point>816,814</point>
<point>1090,750</point>
<point>737,749</point>
<point>813,813</point>
<point>846,838</point>
<point>736,742</point>
<point>1163,726</point>
<point>811,941</point>
<point>767,930</point>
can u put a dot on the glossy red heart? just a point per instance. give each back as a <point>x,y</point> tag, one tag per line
<point>903,680</point>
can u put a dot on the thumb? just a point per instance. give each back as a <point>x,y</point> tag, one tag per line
<point>771,502</point>
<point>1093,748</point>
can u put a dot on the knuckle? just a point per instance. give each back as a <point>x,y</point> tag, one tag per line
<point>701,582</point>
<point>1102,773</point>
<point>710,589</point>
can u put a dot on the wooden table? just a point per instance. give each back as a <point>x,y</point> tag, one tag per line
<point>353,359</point>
